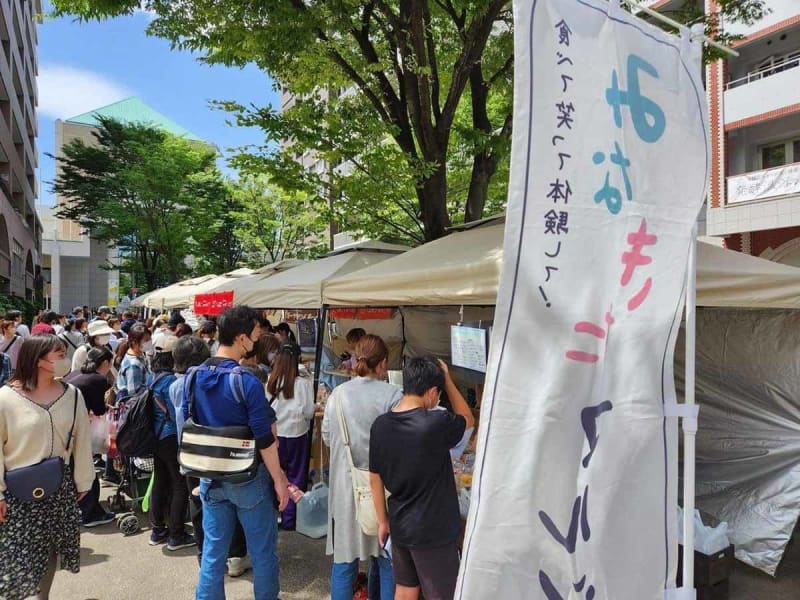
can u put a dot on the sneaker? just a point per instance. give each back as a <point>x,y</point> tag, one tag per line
<point>101,520</point>
<point>158,536</point>
<point>183,541</point>
<point>238,566</point>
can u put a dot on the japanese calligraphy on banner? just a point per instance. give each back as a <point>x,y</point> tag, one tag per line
<point>575,488</point>
<point>213,303</point>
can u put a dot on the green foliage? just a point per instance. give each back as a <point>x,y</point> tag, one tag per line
<point>156,196</point>
<point>414,97</point>
<point>28,309</point>
<point>272,224</point>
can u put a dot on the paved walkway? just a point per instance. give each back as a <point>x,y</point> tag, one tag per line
<point>115,567</point>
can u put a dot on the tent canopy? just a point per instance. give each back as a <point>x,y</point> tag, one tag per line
<point>182,296</point>
<point>235,282</point>
<point>301,287</point>
<point>464,268</point>
<point>158,298</point>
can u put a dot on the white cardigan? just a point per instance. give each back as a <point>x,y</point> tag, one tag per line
<point>294,416</point>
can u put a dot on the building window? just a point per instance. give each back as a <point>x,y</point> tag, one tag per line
<point>778,154</point>
<point>17,261</point>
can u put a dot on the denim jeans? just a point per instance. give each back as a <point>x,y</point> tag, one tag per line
<point>343,577</point>
<point>252,504</point>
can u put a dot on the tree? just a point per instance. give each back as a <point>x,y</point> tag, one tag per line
<point>272,224</point>
<point>156,196</point>
<point>421,142</point>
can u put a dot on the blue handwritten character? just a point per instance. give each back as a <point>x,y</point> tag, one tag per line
<point>647,116</point>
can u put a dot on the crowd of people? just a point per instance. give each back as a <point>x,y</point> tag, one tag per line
<point>234,371</point>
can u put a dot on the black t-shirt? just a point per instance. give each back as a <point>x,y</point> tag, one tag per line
<point>410,450</point>
<point>93,386</point>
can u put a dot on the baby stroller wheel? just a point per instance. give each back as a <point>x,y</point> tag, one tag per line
<point>129,524</point>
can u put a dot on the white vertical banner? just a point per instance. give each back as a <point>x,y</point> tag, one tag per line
<point>575,492</point>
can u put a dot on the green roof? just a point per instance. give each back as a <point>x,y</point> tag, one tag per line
<point>133,110</point>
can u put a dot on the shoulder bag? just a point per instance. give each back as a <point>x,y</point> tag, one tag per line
<point>362,492</point>
<point>221,453</point>
<point>40,481</point>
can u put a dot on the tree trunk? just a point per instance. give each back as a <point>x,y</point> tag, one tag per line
<point>432,195</point>
<point>484,166</point>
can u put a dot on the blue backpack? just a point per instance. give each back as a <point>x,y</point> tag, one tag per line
<point>222,453</point>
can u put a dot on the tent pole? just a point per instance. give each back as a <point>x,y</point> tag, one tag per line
<point>321,325</point>
<point>689,425</point>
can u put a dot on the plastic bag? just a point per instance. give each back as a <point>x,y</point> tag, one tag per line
<point>99,430</point>
<point>707,540</point>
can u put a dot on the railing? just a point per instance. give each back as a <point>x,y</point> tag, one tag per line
<point>767,183</point>
<point>789,63</point>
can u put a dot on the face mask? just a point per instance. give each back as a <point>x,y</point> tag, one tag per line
<point>148,347</point>
<point>61,367</point>
<point>102,340</point>
<point>271,356</point>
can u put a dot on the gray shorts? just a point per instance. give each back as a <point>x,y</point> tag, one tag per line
<point>435,570</point>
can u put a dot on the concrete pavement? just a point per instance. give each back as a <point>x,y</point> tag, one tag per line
<point>115,567</point>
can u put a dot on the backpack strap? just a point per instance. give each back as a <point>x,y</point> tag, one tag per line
<point>65,338</point>
<point>236,381</point>
<point>158,377</point>
<point>11,343</point>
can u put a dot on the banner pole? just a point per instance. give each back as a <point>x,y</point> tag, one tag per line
<point>689,425</point>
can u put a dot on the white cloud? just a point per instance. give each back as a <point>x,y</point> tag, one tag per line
<point>66,91</point>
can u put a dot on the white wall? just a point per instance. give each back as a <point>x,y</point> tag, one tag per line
<point>771,93</point>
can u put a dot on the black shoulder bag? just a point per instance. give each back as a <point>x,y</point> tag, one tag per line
<point>40,481</point>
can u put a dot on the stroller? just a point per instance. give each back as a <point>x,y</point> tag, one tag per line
<point>135,474</point>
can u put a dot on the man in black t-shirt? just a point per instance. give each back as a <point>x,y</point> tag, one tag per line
<point>409,455</point>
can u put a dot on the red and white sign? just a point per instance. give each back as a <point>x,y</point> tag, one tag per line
<point>213,303</point>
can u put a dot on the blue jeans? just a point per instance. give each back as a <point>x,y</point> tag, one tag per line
<point>252,504</point>
<point>343,577</point>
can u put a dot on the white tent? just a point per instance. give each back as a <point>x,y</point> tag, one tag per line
<point>233,283</point>
<point>301,287</point>
<point>161,298</point>
<point>463,268</point>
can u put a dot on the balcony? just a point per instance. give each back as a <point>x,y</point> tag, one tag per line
<point>765,184</point>
<point>779,11</point>
<point>762,91</point>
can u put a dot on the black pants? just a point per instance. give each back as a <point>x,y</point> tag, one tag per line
<point>169,490</point>
<point>90,505</point>
<point>238,547</point>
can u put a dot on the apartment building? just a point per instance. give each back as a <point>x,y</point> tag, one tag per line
<point>20,228</point>
<point>77,269</point>
<point>754,99</point>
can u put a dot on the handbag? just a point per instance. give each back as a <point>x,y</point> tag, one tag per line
<point>99,430</point>
<point>362,492</point>
<point>40,481</point>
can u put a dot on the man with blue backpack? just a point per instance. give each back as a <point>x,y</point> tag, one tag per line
<point>220,397</point>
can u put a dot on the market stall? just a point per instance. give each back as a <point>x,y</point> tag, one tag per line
<point>749,422</point>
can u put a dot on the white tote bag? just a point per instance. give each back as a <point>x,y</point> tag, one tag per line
<point>362,493</point>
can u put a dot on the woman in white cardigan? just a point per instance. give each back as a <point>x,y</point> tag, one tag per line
<point>362,400</point>
<point>40,418</point>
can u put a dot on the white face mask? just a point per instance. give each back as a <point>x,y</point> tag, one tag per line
<point>271,356</point>
<point>61,367</point>
<point>102,340</point>
<point>148,347</point>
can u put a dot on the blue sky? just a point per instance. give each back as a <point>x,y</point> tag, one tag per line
<point>88,65</point>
